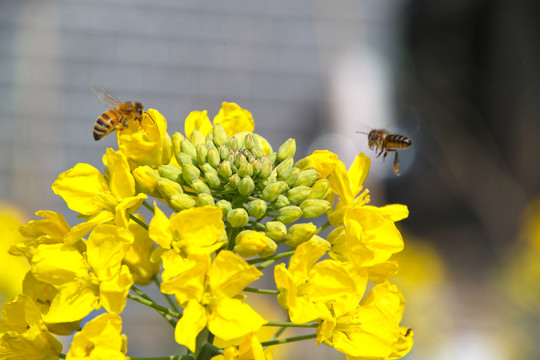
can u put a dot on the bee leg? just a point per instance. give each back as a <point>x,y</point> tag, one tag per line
<point>396,164</point>
<point>382,151</point>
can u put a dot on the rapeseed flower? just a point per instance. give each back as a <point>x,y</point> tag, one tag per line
<point>221,194</point>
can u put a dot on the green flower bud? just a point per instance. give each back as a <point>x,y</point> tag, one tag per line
<point>183,158</point>
<point>233,143</point>
<point>188,148</point>
<point>299,233</point>
<point>257,167</point>
<point>171,172</point>
<point>209,139</point>
<point>205,199</point>
<point>273,190</point>
<point>289,214</point>
<point>249,243</point>
<point>233,183</point>
<point>269,249</point>
<point>275,230</point>
<point>167,149</point>
<point>286,150</point>
<point>291,176</point>
<point>306,178</point>
<point>224,169</point>
<point>257,152</point>
<point>266,168</point>
<point>281,201</point>
<point>284,166</point>
<point>313,208</point>
<point>213,179</point>
<point>220,136</point>
<point>257,208</point>
<point>197,138</point>
<point>249,143</point>
<point>239,160</point>
<point>304,164</point>
<point>246,185</point>
<point>190,173</point>
<point>176,140</point>
<point>200,187</point>
<point>146,179</point>
<point>202,153</point>
<point>168,188</point>
<point>213,157</point>
<point>320,189</point>
<point>225,206</point>
<point>181,202</point>
<point>298,194</point>
<point>272,157</point>
<point>237,217</point>
<point>245,170</point>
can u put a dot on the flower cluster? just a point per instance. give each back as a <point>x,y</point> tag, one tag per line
<point>220,195</point>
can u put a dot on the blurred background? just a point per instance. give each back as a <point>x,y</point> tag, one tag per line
<point>461,78</point>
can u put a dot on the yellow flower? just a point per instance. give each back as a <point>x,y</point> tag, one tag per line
<point>372,330</point>
<point>310,290</point>
<point>348,186</point>
<point>86,191</point>
<point>209,293</point>
<point>193,231</point>
<point>323,161</point>
<point>86,282</point>
<point>232,117</point>
<point>147,143</point>
<point>249,349</point>
<point>23,335</point>
<point>138,257</point>
<point>100,338</point>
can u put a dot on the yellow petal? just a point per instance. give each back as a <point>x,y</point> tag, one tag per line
<point>358,172</point>
<point>58,264</point>
<point>106,248</point>
<point>121,181</point>
<point>231,318</point>
<point>234,119</point>
<point>160,229</point>
<point>324,162</point>
<point>72,303</point>
<point>127,206</point>
<point>80,187</point>
<point>197,120</point>
<point>194,319</point>
<point>113,293</point>
<point>229,274</point>
<point>53,224</point>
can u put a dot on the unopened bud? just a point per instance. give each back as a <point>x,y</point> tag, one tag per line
<point>197,138</point>
<point>225,170</point>
<point>171,172</point>
<point>305,164</point>
<point>202,153</point>
<point>237,217</point>
<point>239,160</point>
<point>313,208</point>
<point>299,233</point>
<point>188,148</point>
<point>190,173</point>
<point>167,149</point>
<point>284,166</point>
<point>272,157</point>
<point>209,138</point>
<point>266,168</point>
<point>286,150</point>
<point>291,176</point>
<point>205,199</point>
<point>246,185</point>
<point>256,165</point>
<point>245,170</point>
<point>167,188</point>
<point>257,208</point>
<point>181,202</point>
<point>281,201</point>
<point>273,190</point>
<point>225,206</point>
<point>298,194</point>
<point>275,230</point>
<point>257,152</point>
<point>183,158</point>
<point>224,152</point>
<point>249,243</point>
<point>213,157</point>
<point>233,143</point>
<point>269,249</point>
<point>146,179</point>
<point>176,140</point>
<point>320,189</point>
<point>306,178</point>
<point>249,143</point>
<point>213,179</point>
<point>289,214</point>
<point>234,181</point>
<point>200,187</point>
<point>220,136</point>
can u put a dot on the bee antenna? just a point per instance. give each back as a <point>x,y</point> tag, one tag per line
<point>361,132</point>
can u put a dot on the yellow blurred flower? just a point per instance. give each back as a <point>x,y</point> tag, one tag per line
<point>232,117</point>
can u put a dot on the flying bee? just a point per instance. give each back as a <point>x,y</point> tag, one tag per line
<point>380,139</point>
<point>119,115</point>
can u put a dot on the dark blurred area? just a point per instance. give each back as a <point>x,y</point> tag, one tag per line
<point>470,75</point>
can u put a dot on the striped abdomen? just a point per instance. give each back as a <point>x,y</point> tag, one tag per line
<point>106,123</point>
<point>395,141</point>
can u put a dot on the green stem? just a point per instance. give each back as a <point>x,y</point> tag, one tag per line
<point>288,340</point>
<point>168,314</point>
<point>166,296</point>
<point>61,356</point>
<point>269,258</point>
<point>279,332</point>
<point>261,291</point>
<point>290,324</point>
<point>148,206</point>
<point>140,222</point>
<point>322,228</point>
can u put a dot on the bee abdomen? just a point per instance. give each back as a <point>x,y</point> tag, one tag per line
<point>397,141</point>
<point>105,124</point>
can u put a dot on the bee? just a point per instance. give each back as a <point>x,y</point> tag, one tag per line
<point>119,115</point>
<point>383,140</point>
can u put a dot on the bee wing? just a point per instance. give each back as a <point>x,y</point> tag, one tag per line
<point>105,97</point>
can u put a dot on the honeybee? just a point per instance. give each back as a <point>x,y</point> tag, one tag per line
<point>119,115</point>
<point>380,139</point>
